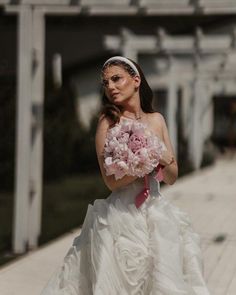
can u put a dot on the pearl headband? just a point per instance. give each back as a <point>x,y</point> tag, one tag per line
<point>125,60</point>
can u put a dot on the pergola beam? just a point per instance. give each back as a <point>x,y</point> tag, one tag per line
<point>210,44</point>
<point>141,7</point>
<point>51,10</point>
<point>109,10</point>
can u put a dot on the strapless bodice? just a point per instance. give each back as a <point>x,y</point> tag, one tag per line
<point>128,192</point>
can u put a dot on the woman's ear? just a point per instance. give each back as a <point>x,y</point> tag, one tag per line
<point>137,81</point>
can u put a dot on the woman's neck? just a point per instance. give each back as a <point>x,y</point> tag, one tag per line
<point>133,115</point>
<point>133,110</point>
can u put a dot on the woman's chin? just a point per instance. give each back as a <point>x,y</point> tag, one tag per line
<point>117,101</point>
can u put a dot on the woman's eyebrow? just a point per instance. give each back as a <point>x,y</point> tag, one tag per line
<point>115,75</point>
<point>110,77</point>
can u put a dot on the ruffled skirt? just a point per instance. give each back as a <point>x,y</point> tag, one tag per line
<point>123,250</point>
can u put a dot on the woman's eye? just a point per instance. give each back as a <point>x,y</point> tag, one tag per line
<point>104,83</point>
<point>115,78</point>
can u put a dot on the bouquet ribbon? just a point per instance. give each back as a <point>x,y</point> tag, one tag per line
<point>159,174</point>
<point>143,195</point>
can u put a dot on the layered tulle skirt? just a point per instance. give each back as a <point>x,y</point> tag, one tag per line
<point>123,250</point>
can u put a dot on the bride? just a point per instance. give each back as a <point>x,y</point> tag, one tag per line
<point>128,247</point>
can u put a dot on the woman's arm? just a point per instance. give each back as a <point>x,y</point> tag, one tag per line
<point>110,181</point>
<point>170,170</point>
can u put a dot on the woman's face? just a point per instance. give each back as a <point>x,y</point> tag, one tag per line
<point>119,85</point>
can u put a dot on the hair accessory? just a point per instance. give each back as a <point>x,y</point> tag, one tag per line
<point>125,60</point>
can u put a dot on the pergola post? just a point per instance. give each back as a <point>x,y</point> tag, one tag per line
<point>30,96</point>
<point>29,123</point>
<point>172,106</point>
<point>126,45</point>
<point>195,135</point>
<point>35,202</point>
<point>186,115</point>
<point>23,129</point>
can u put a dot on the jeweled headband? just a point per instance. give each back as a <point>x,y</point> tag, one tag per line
<point>125,60</point>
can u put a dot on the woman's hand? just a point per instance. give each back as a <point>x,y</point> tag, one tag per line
<point>166,159</point>
<point>168,162</point>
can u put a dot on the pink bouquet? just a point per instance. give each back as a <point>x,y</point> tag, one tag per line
<point>131,149</point>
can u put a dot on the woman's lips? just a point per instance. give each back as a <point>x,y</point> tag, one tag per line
<point>114,94</point>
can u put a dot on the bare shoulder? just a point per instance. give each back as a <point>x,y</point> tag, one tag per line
<point>103,120</point>
<point>157,118</point>
<point>157,122</point>
<point>103,123</point>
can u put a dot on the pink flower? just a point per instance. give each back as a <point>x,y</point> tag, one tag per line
<point>123,136</point>
<point>131,149</point>
<point>136,142</point>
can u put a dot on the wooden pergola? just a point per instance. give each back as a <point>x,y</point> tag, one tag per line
<point>30,84</point>
<point>198,64</point>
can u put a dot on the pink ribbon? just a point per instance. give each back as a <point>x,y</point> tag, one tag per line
<point>159,174</point>
<point>143,195</point>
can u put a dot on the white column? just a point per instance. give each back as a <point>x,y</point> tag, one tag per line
<point>35,204</point>
<point>129,52</point>
<point>196,133</point>
<point>126,45</point>
<point>207,117</point>
<point>186,112</point>
<point>172,108</point>
<point>23,129</point>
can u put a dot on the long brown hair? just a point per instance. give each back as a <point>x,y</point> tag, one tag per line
<point>112,111</point>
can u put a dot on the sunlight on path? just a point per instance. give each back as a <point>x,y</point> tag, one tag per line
<point>208,196</point>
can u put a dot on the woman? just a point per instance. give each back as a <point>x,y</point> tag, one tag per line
<point>124,249</point>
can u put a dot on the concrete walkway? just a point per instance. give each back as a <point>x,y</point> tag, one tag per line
<point>209,196</point>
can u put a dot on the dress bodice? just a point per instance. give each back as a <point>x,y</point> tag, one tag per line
<point>154,185</point>
<point>128,192</point>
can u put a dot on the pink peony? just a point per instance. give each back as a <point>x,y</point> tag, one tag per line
<point>136,142</point>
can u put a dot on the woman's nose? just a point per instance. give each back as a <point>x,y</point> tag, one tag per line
<point>110,84</point>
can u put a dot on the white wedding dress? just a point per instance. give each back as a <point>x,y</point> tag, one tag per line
<point>123,250</point>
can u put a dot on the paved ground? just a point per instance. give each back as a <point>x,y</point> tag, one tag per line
<point>209,196</point>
